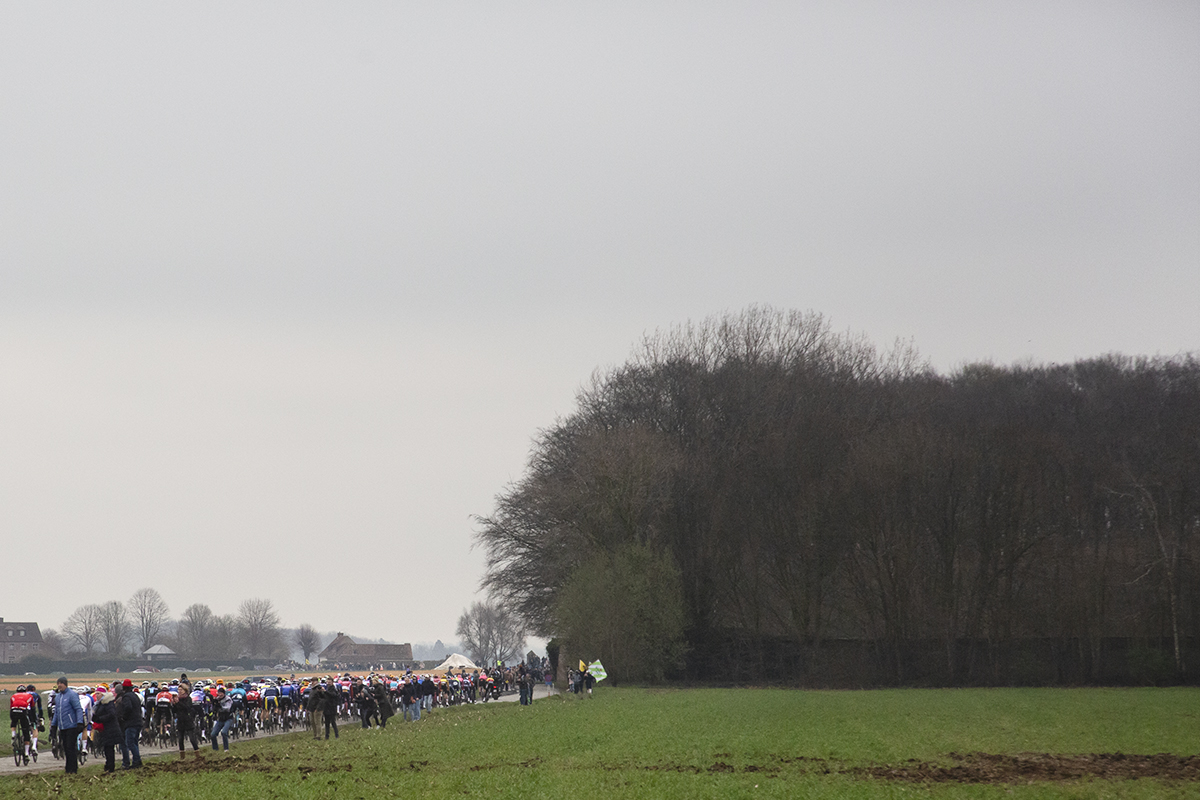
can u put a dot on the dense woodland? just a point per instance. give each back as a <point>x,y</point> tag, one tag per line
<point>758,497</point>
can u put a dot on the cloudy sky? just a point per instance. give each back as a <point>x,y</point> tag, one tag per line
<point>287,288</point>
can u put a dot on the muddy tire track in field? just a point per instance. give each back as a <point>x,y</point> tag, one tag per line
<point>965,768</point>
<point>1031,767</point>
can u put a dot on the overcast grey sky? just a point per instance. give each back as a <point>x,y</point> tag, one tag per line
<point>287,288</point>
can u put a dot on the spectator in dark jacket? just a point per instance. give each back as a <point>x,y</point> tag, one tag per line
<point>427,693</point>
<point>382,702</point>
<point>366,704</point>
<point>331,710</point>
<point>129,717</point>
<point>185,721</point>
<point>316,702</point>
<point>409,699</point>
<point>106,729</point>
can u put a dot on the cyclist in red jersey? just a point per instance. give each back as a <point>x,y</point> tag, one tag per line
<point>22,708</point>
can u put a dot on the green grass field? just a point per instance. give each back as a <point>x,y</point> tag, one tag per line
<point>717,743</point>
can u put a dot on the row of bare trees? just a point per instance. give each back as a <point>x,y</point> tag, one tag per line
<point>800,486</point>
<point>130,628</point>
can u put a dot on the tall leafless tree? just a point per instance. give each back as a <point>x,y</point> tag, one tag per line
<point>307,639</point>
<point>114,627</point>
<point>491,633</point>
<point>85,627</point>
<point>196,628</point>
<point>150,614</point>
<point>260,626</point>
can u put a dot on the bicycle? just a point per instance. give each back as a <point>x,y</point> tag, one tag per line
<point>18,751</point>
<point>166,734</point>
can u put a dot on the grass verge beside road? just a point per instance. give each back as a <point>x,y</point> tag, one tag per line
<point>1035,743</point>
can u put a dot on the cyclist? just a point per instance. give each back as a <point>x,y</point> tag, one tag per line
<point>21,708</point>
<point>253,710</point>
<point>55,747</point>
<point>285,703</point>
<point>38,717</point>
<point>85,703</point>
<point>238,695</point>
<point>148,694</point>
<point>270,704</point>
<point>164,702</point>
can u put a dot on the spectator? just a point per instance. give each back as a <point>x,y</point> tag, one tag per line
<point>331,711</point>
<point>106,729</point>
<point>129,716</point>
<point>223,708</point>
<point>68,718</point>
<point>185,720</point>
<point>316,701</point>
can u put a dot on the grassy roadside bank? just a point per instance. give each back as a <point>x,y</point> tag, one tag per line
<point>715,743</point>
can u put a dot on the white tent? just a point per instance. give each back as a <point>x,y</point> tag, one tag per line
<point>456,661</point>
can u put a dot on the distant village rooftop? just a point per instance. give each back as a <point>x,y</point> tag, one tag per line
<point>346,650</point>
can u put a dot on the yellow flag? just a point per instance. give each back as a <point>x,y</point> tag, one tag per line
<point>582,667</point>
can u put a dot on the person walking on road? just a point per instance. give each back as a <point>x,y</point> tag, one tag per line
<point>68,717</point>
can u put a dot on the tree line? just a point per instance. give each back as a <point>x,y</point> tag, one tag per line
<point>119,629</point>
<point>757,496</point>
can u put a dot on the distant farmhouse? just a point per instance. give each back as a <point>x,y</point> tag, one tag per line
<point>18,639</point>
<point>344,650</point>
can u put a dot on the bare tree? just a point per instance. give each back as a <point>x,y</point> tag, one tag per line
<point>195,629</point>
<point>307,640</point>
<point>150,614</point>
<point>53,643</point>
<point>84,627</point>
<point>260,626</point>
<point>114,627</point>
<point>224,636</point>
<point>491,633</point>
